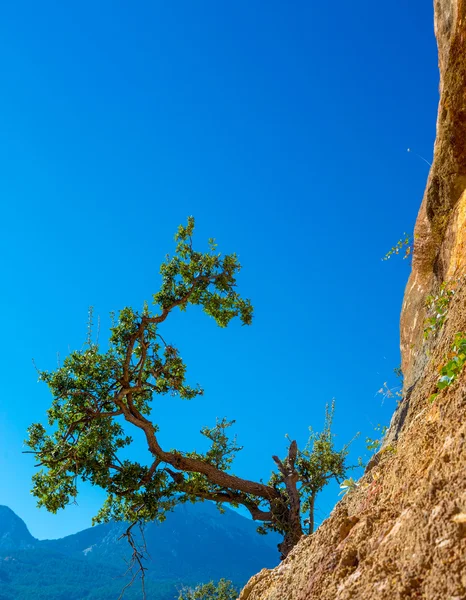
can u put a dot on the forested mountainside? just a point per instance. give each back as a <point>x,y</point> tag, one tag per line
<point>195,544</point>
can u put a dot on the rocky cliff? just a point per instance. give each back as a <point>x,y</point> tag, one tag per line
<point>402,532</point>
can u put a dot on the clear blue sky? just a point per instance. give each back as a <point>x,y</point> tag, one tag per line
<point>283,128</point>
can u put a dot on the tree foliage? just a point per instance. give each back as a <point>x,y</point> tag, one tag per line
<point>223,590</point>
<point>404,245</point>
<point>100,396</point>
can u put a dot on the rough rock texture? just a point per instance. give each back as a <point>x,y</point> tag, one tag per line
<point>439,235</point>
<point>402,532</point>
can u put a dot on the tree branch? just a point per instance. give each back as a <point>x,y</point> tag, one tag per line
<point>136,559</point>
<point>227,496</point>
<point>196,465</point>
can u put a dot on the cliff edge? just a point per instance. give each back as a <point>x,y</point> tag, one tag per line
<point>402,532</point>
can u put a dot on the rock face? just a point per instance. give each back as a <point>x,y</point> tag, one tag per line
<point>402,533</point>
<point>440,232</point>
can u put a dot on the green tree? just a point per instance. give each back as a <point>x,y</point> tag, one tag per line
<point>223,590</point>
<point>101,395</point>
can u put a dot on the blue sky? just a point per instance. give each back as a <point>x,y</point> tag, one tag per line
<point>283,128</point>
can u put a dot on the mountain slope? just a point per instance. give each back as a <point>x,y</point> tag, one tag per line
<point>13,532</point>
<point>186,545</point>
<point>195,544</point>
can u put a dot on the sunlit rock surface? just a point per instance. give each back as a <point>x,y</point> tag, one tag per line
<point>402,533</point>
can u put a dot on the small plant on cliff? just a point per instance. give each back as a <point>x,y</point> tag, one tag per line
<point>404,245</point>
<point>102,395</point>
<point>390,392</point>
<point>456,361</point>
<point>316,465</point>
<point>399,373</point>
<point>223,590</point>
<point>375,443</point>
<point>437,308</point>
<point>419,156</point>
<point>348,485</point>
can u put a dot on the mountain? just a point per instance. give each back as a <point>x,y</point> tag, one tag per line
<point>186,545</point>
<point>13,532</point>
<point>195,544</point>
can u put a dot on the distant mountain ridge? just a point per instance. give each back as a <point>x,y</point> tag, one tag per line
<point>14,535</point>
<point>195,544</point>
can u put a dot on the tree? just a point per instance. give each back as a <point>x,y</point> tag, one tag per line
<point>100,395</point>
<point>223,590</point>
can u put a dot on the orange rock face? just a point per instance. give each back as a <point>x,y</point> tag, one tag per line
<point>439,235</point>
<point>402,533</point>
